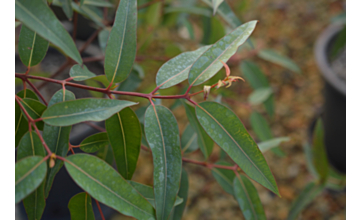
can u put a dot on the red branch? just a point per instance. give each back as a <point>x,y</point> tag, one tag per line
<point>101,213</point>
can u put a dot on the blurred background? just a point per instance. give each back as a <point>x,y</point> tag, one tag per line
<point>294,29</point>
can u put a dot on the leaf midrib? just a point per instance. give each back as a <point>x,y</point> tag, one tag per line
<point>247,197</point>
<point>29,172</point>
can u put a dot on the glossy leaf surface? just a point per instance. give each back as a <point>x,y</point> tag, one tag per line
<point>57,138</point>
<point>80,207</point>
<point>162,134</point>
<point>124,132</point>
<point>106,185</point>
<point>148,193</point>
<point>29,173</point>
<point>260,95</point>
<point>80,73</point>
<point>32,48</point>
<point>205,143</point>
<point>46,25</point>
<point>226,129</point>
<point>89,109</point>
<point>189,140</point>
<point>34,108</point>
<point>224,177</point>
<point>275,57</point>
<point>177,69</point>
<point>248,198</point>
<point>307,195</point>
<point>94,142</point>
<point>34,203</point>
<point>256,78</point>
<point>208,64</point>
<point>183,193</point>
<point>319,158</point>
<point>121,47</point>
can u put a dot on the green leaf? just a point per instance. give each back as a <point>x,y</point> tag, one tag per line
<point>80,110</point>
<point>260,95</point>
<point>304,199</point>
<point>121,48</point>
<point>34,108</point>
<point>153,14</point>
<point>106,185</point>
<point>215,5</point>
<point>224,177</point>
<point>205,143</point>
<point>189,142</point>
<point>177,69</point>
<point>191,10</point>
<point>270,144</point>
<point>124,132</point>
<point>91,12</point>
<point>335,181</point>
<point>103,38</point>
<point>148,193</point>
<point>319,158</point>
<point>46,25</point>
<point>29,173</point>
<point>94,142</point>
<point>183,193</point>
<point>162,134</point>
<point>257,79</point>
<point>57,138</point>
<point>213,30</point>
<point>21,124</point>
<point>248,198</point>
<point>66,7</point>
<point>263,131</point>
<point>133,81</point>
<point>30,145</point>
<point>106,154</point>
<point>99,3</point>
<point>208,64</point>
<point>32,48</point>
<point>80,73</point>
<point>226,129</point>
<point>275,57</point>
<point>309,159</point>
<point>80,207</point>
<point>225,11</point>
<point>82,2</point>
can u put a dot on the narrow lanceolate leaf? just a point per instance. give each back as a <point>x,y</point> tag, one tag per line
<point>208,64</point>
<point>183,193</point>
<point>309,193</point>
<point>263,131</point>
<point>148,193</point>
<point>215,5</point>
<point>57,138</point>
<point>32,47</point>
<point>319,156</point>
<point>99,3</point>
<point>80,73</point>
<point>177,69</point>
<point>189,142</point>
<point>248,198</point>
<point>225,11</point>
<point>162,134</point>
<point>124,132</point>
<point>91,12</point>
<point>80,207</point>
<point>29,174</point>
<point>66,7</point>
<point>275,57</point>
<point>224,177</point>
<point>93,175</point>
<point>34,108</point>
<point>226,129</point>
<point>270,144</point>
<point>205,143</point>
<point>21,124</point>
<point>260,95</point>
<point>121,48</point>
<point>94,142</point>
<point>34,203</point>
<point>46,25</point>
<point>80,110</point>
<point>257,79</point>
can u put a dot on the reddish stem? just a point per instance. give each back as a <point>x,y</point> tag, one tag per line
<point>95,126</point>
<point>18,100</point>
<point>101,213</point>
<point>37,91</point>
<point>208,165</point>
<point>92,59</point>
<point>61,68</point>
<point>42,139</point>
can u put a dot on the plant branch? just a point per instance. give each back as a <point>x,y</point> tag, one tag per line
<point>208,165</point>
<point>37,91</point>
<point>101,213</point>
<point>61,68</point>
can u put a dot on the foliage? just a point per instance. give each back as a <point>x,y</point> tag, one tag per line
<point>153,128</point>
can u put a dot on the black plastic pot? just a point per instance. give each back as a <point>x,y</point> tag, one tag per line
<point>334,110</point>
